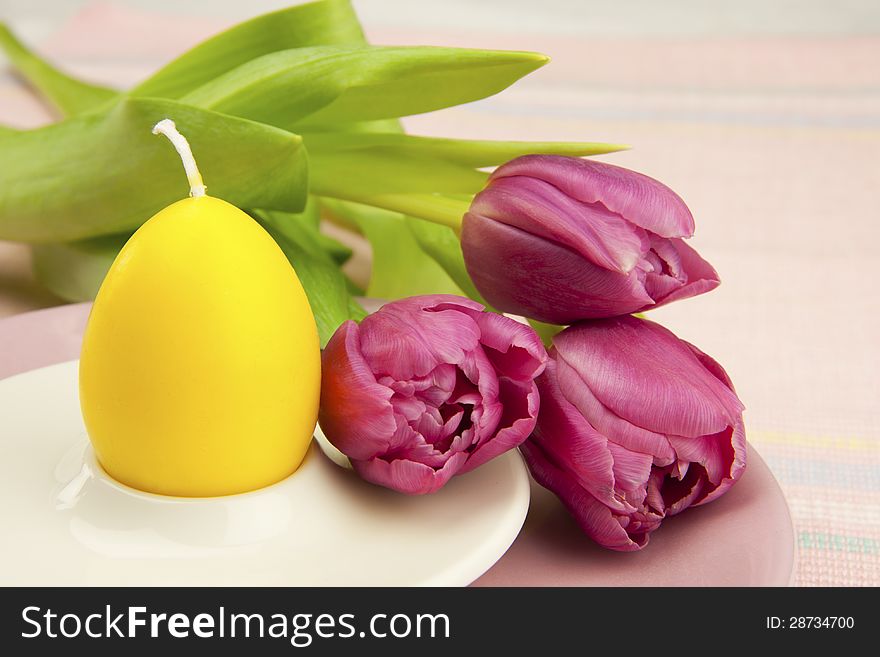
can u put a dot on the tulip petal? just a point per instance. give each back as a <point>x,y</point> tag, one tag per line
<point>568,438</point>
<point>644,201</point>
<point>738,442</point>
<point>594,518</point>
<point>631,470</point>
<point>713,366</point>
<point>487,410</point>
<point>520,404</point>
<point>642,372</point>
<point>714,453</point>
<point>654,498</point>
<point>407,443</point>
<point>639,525</point>
<point>405,339</point>
<point>631,436</point>
<point>543,280</point>
<point>679,494</point>
<point>669,257</point>
<point>407,476</point>
<point>356,415</point>
<point>604,238</point>
<point>699,277</point>
<point>513,348</point>
<point>436,428</point>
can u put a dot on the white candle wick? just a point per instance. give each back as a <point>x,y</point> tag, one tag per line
<point>167,128</point>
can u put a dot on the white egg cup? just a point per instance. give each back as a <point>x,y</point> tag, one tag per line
<point>68,522</point>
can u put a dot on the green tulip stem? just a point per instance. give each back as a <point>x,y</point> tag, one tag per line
<point>430,207</point>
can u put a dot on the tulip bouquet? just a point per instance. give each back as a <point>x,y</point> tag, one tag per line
<point>624,421</point>
<point>295,118</point>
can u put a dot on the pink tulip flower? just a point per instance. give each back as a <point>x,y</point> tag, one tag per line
<point>635,426</point>
<point>560,239</point>
<point>429,387</point>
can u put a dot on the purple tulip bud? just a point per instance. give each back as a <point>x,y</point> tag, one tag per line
<point>429,387</point>
<point>561,239</point>
<point>635,425</point>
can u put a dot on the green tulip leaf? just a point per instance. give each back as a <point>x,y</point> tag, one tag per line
<point>304,229</point>
<point>400,267</point>
<point>443,245</point>
<point>545,331</point>
<point>334,248</point>
<point>355,166</point>
<point>311,24</point>
<point>326,85</point>
<point>472,153</point>
<point>65,94</point>
<point>325,285</point>
<point>356,310</point>
<point>104,172</point>
<point>75,270</point>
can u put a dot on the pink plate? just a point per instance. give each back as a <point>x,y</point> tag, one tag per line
<point>743,539</point>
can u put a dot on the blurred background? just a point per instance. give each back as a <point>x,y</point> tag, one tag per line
<point>764,115</point>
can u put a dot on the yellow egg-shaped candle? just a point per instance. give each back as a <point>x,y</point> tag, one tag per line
<point>200,365</point>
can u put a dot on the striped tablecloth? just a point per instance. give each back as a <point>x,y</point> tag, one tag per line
<point>765,117</point>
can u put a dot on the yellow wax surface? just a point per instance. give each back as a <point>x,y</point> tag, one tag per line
<point>200,367</point>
